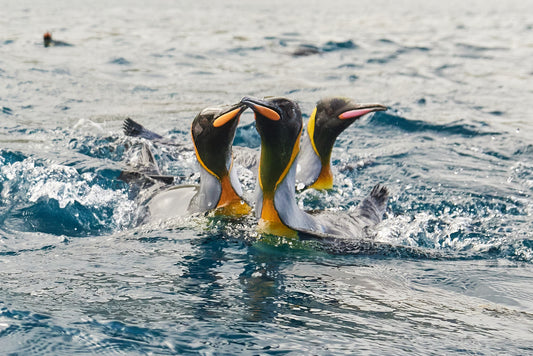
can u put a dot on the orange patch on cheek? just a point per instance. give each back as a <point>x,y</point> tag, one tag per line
<point>230,204</point>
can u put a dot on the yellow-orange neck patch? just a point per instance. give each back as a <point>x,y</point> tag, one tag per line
<point>270,223</point>
<point>324,180</point>
<point>295,151</point>
<point>311,130</point>
<point>230,203</point>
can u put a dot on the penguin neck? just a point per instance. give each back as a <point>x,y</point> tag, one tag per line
<point>309,167</point>
<point>279,213</point>
<point>231,202</point>
<point>313,170</point>
<point>324,180</point>
<point>208,193</point>
<point>223,195</point>
<point>270,221</point>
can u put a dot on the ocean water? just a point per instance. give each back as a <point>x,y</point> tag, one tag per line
<point>455,148</point>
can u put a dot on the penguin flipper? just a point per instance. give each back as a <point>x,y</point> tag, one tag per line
<point>366,246</point>
<point>134,129</point>
<point>306,235</point>
<point>162,178</point>
<point>144,179</point>
<point>373,207</point>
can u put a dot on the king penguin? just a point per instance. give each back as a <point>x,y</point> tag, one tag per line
<point>329,119</point>
<point>279,124</point>
<point>212,131</point>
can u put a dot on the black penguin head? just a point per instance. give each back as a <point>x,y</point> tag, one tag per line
<point>331,117</point>
<point>279,123</point>
<point>213,131</point>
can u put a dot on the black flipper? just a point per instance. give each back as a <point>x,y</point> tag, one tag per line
<point>145,179</point>
<point>134,129</point>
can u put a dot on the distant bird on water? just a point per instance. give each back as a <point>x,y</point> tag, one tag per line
<point>48,41</point>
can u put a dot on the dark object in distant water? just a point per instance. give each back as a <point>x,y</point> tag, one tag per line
<point>306,50</point>
<point>330,46</point>
<point>48,41</point>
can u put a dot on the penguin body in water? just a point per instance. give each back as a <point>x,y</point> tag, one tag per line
<point>49,42</point>
<point>329,119</point>
<point>219,191</point>
<point>279,123</point>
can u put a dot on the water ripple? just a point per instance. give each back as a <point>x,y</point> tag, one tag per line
<point>417,126</point>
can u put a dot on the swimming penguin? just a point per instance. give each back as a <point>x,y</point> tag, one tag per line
<point>48,41</point>
<point>279,123</point>
<point>212,132</point>
<point>330,117</point>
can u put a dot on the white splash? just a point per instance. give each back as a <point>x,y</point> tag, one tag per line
<point>28,181</point>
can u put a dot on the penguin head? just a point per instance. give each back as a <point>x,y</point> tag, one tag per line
<point>331,117</point>
<point>47,37</point>
<point>213,131</point>
<point>279,123</point>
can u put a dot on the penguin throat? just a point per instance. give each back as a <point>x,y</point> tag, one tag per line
<point>230,203</point>
<point>216,162</point>
<point>270,223</point>
<point>326,142</point>
<point>325,178</point>
<point>269,164</point>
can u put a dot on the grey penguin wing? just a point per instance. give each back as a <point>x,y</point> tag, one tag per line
<point>374,205</point>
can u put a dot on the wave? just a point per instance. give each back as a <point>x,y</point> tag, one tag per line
<point>460,128</point>
<point>47,197</point>
<point>34,333</point>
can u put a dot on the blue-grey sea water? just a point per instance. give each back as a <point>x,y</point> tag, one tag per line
<point>455,148</point>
